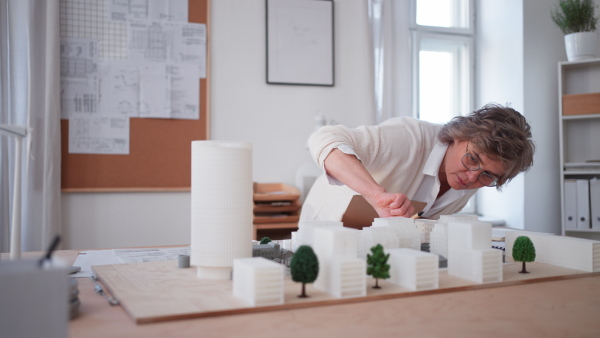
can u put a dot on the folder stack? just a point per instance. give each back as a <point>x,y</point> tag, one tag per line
<point>595,203</point>
<point>582,204</point>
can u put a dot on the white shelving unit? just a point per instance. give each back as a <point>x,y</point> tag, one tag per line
<point>579,135</point>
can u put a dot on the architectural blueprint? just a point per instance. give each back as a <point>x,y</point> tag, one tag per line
<point>123,59</point>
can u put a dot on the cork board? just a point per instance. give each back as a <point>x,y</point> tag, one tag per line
<point>160,291</point>
<point>160,149</point>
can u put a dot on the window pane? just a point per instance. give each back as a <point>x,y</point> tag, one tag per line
<point>444,78</point>
<point>443,13</point>
<point>435,86</point>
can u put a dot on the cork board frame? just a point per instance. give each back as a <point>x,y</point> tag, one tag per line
<point>160,149</point>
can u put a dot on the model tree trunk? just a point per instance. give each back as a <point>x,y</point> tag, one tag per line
<point>523,270</point>
<point>377,284</point>
<point>303,295</point>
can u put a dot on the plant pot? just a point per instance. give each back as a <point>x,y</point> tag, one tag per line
<point>580,45</point>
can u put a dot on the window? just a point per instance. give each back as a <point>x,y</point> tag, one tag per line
<point>442,34</point>
<point>442,38</point>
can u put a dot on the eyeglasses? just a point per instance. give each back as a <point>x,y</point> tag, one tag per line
<point>472,164</point>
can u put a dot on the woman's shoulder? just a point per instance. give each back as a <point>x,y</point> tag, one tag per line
<point>413,125</point>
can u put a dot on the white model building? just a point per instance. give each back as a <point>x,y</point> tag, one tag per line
<point>425,226</point>
<point>341,273</point>
<point>347,277</point>
<point>569,252</point>
<point>306,230</point>
<point>221,206</point>
<point>405,228</point>
<point>371,236</point>
<point>438,237</point>
<point>258,281</point>
<point>413,269</point>
<point>469,253</point>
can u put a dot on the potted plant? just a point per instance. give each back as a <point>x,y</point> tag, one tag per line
<point>577,21</point>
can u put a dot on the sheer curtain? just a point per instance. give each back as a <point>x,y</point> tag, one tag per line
<point>390,40</point>
<point>30,97</point>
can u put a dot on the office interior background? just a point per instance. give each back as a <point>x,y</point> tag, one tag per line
<point>517,48</point>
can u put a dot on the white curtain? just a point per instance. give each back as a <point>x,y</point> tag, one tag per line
<point>390,40</point>
<point>30,97</point>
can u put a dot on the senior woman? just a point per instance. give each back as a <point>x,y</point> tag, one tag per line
<point>404,159</point>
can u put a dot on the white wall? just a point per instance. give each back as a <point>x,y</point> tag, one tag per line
<point>519,50</point>
<point>277,119</point>
<point>116,220</point>
<point>517,63</point>
<point>499,62</point>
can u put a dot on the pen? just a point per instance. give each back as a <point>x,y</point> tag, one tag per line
<point>51,250</point>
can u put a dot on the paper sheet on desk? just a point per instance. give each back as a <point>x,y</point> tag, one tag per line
<point>86,259</point>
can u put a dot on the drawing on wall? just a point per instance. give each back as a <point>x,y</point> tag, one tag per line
<point>300,42</point>
<point>123,59</point>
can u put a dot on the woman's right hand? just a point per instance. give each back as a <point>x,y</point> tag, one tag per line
<point>391,205</point>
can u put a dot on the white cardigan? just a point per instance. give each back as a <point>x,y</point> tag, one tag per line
<point>393,152</point>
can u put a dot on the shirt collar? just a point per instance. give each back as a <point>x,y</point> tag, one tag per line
<point>432,166</point>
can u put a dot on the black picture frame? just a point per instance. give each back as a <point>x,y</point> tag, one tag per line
<point>300,42</point>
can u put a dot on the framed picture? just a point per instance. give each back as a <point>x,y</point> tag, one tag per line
<point>300,42</point>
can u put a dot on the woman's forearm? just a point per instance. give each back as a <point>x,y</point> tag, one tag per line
<point>350,171</point>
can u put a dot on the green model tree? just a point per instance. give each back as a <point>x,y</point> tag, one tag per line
<point>523,251</point>
<point>265,240</point>
<point>377,265</point>
<point>304,267</point>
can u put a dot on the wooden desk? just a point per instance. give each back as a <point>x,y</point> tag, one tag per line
<point>567,308</point>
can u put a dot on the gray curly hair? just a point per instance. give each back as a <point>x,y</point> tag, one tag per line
<point>502,133</point>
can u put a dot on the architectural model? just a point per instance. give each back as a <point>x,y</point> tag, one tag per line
<point>221,196</point>
<point>523,251</point>
<point>405,229</point>
<point>439,239</point>
<point>306,230</point>
<point>258,281</point>
<point>304,267</point>
<point>413,269</point>
<point>377,264</point>
<point>272,251</point>
<point>425,226</point>
<point>221,229</point>
<point>469,253</point>
<point>341,273</point>
<point>371,236</point>
<point>569,252</point>
<point>439,235</point>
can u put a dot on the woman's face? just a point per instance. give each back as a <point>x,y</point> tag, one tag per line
<point>455,172</point>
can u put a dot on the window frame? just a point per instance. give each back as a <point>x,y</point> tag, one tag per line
<point>470,30</point>
<point>465,68</point>
<point>466,35</point>
<point>417,32</point>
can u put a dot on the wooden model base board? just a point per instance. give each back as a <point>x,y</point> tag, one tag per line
<point>160,291</point>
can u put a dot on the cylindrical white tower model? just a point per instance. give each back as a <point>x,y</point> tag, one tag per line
<point>221,206</point>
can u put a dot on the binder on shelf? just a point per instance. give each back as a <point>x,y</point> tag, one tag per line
<point>570,215</point>
<point>583,204</point>
<point>595,203</point>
